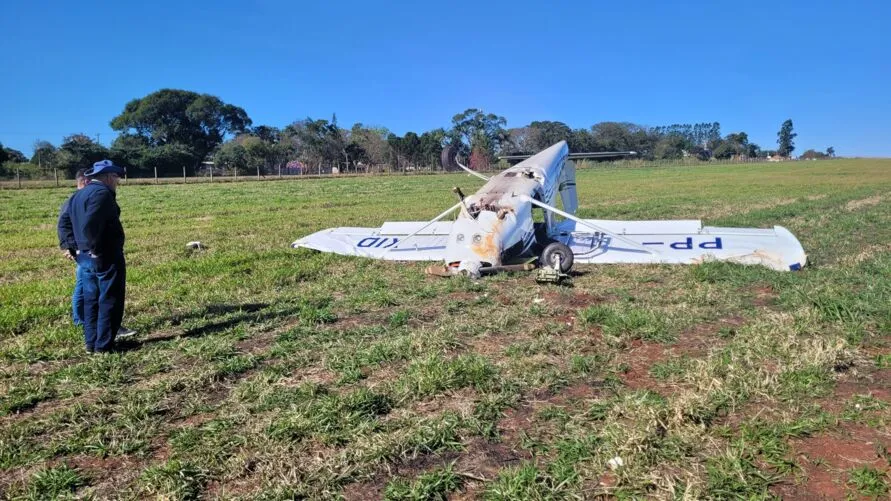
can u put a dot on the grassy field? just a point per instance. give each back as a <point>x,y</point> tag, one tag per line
<point>271,373</point>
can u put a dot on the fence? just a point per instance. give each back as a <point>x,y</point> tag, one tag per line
<point>33,177</point>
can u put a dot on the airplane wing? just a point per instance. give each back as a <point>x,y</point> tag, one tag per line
<point>577,156</point>
<point>679,242</point>
<point>395,241</point>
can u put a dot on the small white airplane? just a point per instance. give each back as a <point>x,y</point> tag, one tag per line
<point>495,227</point>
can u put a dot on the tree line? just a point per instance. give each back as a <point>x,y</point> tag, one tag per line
<point>170,130</point>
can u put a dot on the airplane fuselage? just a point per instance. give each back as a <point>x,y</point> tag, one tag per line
<point>496,221</point>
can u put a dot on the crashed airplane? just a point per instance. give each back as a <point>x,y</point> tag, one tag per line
<point>495,230</point>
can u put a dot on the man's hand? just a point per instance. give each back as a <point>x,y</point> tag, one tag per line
<point>68,254</point>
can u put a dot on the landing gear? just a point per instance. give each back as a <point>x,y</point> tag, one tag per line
<point>557,254</point>
<point>556,260</point>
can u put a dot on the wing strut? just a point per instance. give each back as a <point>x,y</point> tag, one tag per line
<point>586,223</point>
<point>422,228</point>
<point>471,171</point>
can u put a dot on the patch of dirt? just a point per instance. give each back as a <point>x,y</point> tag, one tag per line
<point>47,407</point>
<point>361,320</point>
<point>464,296</point>
<point>258,343</point>
<point>460,401</point>
<point>701,338</point>
<point>383,375</point>
<point>876,384</point>
<point>562,396</point>
<point>313,374</point>
<point>107,475</point>
<point>373,488</point>
<point>481,460</point>
<point>574,301</point>
<point>827,458</point>
<point>195,420</point>
<point>765,296</point>
<point>865,254</point>
<point>863,202</point>
<point>505,300</point>
<point>492,345</point>
<point>640,358</point>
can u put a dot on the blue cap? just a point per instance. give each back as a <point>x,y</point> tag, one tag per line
<point>104,167</point>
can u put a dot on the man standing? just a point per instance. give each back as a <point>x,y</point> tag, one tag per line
<point>94,218</point>
<point>69,250</point>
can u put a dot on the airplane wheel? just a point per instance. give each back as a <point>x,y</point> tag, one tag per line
<point>555,249</point>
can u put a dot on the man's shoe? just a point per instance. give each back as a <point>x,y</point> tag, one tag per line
<point>124,333</point>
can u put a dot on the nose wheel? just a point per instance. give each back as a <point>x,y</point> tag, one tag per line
<point>558,256</point>
<point>556,260</point>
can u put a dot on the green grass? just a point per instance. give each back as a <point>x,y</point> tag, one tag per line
<point>869,482</point>
<point>272,373</point>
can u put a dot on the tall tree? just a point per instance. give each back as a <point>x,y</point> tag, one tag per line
<point>14,155</point>
<point>813,155</point>
<point>582,141</point>
<point>44,154</point>
<point>129,150</point>
<point>671,146</point>
<point>318,142</point>
<point>79,151</point>
<point>411,148</point>
<point>830,151</point>
<point>266,147</point>
<point>735,144</point>
<point>519,141</point>
<point>372,141</point>
<point>623,136</point>
<point>231,155</point>
<point>478,130</point>
<point>431,147</point>
<point>546,133</point>
<point>785,139</point>
<point>753,150</point>
<point>194,122</point>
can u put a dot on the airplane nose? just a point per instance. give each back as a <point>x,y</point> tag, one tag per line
<point>475,240</point>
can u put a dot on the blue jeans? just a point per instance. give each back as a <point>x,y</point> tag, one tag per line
<point>77,299</point>
<point>104,285</point>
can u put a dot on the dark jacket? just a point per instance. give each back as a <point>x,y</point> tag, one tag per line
<point>66,232</point>
<point>95,220</point>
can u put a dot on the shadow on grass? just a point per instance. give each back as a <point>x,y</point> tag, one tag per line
<point>231,315</point>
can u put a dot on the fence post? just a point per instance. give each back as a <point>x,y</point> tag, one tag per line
<point>156,174</point>
<point>56,175</point>
<point>18,176</point>
<point>258,173</point>
<point>236,173</point>
<point>279,171</point>
<point>184,174</point>
<point>211,174</point>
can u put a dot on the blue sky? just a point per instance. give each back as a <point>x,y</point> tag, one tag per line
<point>71,66</point>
